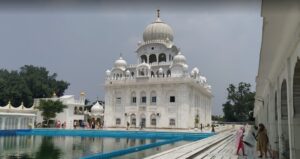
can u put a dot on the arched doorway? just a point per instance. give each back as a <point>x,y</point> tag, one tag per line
<point>143,58</point>
<point>276,143</point>
<point>153,120</point>
<point>152,58</point>
<point>162,57</point>
<point>133,120</point>
<point>296,105</point>
<point>142,121</point>
<point>284,122</point>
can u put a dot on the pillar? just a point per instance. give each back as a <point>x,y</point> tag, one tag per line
<point>290,108</point>
<point>19,122</point>
<point>2,125</point>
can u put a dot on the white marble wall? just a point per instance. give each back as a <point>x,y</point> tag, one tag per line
<point>183,110</point>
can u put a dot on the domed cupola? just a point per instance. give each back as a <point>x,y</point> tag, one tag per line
<point>120,63</point>
<point>179,59</point>
<point>97,109</point>
<point>158,30</point>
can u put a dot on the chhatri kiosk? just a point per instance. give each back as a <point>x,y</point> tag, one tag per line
<point>158,91</point>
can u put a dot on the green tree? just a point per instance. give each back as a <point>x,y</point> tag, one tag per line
<point>240,101</point>
<point>41,83</point>
<point>13,88</point>
<point>28,83</point>
<point>49,108</point>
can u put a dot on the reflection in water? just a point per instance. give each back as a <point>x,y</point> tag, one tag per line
<point>48,150</point>
<point>66,147</point>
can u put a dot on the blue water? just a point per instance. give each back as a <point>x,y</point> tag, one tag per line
<point>58,143</point>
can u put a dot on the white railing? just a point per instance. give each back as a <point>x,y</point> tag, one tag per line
<point>133,80</point>
<point>163,63</point>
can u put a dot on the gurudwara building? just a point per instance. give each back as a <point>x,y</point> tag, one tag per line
<point>158,91</point>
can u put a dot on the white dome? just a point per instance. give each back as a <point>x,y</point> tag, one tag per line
<point>158,30</point>
<point>179,59</point>
<point>107,72</point>
<point>203,79</point>
<point>195,71</point>
<point>97,109</point>
<point>120,63</point>
<point>127,72</point>
<point>185,67</point>
<point>160,70</point>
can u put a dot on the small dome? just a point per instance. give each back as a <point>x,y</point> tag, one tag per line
<point>158,30</point>
<point>195,71</point>
<point>160,70</point>
<point>127,72</point>
<point>203,79</point>
<point>107,72</point>
<point>120,63</point>
<point>185,67</point>
<point>97,109</point>
<point>179,59</point>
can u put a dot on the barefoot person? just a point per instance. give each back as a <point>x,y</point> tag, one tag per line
<point>262,140</point>
<point>239,141</point>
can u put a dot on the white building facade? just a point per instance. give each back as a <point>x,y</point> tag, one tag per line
<point>158,91</point>
<point>72,115</point>
<point>277,103</point>
<point>17,117</point>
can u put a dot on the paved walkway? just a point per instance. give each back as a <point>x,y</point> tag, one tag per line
<point>220,146</point>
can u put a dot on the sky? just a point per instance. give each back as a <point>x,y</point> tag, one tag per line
<point>81,42</point>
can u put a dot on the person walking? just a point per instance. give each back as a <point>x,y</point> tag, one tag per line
<point>262,140</point>
<point>239,141</point>
<point>128,124</point>
<point>201,127</point>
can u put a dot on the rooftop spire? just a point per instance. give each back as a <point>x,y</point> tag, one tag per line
<point>158,13</point>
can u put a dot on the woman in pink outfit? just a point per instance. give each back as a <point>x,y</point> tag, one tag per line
<point>239,141</point>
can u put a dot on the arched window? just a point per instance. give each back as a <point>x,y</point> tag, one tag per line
<point>133,120</point>
<point>118,121</point>
<point>296,89</point>
<point>172,122</point>
<point>152,58</point>
<point>132,74</point>
<point>75,110</point>
<point>143,98</point>
<point>276,117</point>
<point>153,119</point>
<point>133,98</point>
<point>80,110</point>
<point>162,57</point>
<point>142,72</point>
<point>153,98</point>
<point>284,109</point>
<point>144,58</point>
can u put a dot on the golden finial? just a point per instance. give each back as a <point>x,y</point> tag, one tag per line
<point>9,104</point>
<point>54,95</point>
<point>158,13</point>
